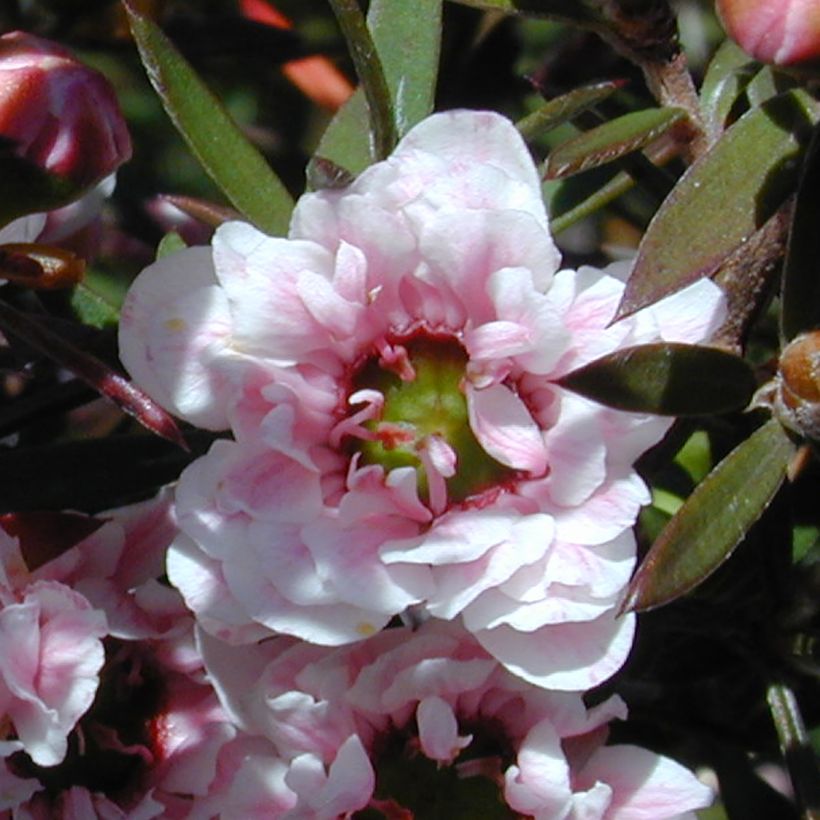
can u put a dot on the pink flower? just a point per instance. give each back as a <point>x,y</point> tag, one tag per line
<point>50,643</point>
<point>387,373</point>
<point>151,742</point>
<point>784,32</point>
<point>60,114</point>
<point>416,721</point>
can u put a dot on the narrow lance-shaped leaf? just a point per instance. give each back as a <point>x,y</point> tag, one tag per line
<point>659,378</point>
<point>91,370</point>
<point>410,65</point>
<point>727,74</point>
<point>233,163</point>
<point>561,109</point>
<point>722,199</point>
<point>611,141</point>
<point>800,302</point>
<point>713,520</point>
<point>371,75</point>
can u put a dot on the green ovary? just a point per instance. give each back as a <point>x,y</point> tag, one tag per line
<point>432,404</point>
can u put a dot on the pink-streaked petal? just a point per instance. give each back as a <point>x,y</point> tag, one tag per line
<point>607,513</point>
<point>438,730</point>
<point>539,783</point>
<point>691,314</point>
<point>645,785</point>
<point>575,452</point>
<point>347,787</point>
<point>175,329</point>
<point>259,275</point>
<point>505,428</point>
<point>572,656</point>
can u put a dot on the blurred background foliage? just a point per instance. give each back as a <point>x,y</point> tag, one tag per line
<point>708,670</point>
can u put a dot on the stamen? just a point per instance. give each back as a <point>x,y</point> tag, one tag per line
<point>352,425</point>
<point>396,359</point>
<point>439,462</point>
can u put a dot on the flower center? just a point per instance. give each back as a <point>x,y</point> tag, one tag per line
<point>424,421</point>
<point>409,784</point>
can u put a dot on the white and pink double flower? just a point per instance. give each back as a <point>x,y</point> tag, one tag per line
<point>408,723</point>
<point>387,373</point>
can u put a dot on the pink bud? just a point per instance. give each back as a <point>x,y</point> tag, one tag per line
<point>784,32</point>
<point>60,114</point>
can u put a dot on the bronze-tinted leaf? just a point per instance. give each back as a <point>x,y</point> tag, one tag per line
<point>611,141</point>
<point>726,76</point>
<point>666,378</point>
<point>561,109</point>
<point>713,520</point>
<point>722,199</point>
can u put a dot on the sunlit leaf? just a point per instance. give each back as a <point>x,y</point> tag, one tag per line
<point>726,76</point>
<point>170,243</point>
<point>800,303</point>
<point>410,66</point>
<point>713,520</point>
<point>722,199</point>
<point>659,378</point>
<point>561,109</point>
<point>235,165</point>
<point>611,140</point>
<point>91,307</point>
<point>372,79</point>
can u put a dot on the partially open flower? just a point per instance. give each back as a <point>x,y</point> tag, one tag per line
<point>388,375</point>
<point>784,32</point>
<point>59,113</point>
<point>106,709</point>
<point>411,724</point>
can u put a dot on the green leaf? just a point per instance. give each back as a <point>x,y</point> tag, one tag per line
<point>800,298</point>
<point>611,141</point>
<point>233,163</point>
<point>722,199</point>
<point>410,66</point>
<point>366,58</point>
<point>727,75</point>
<point>659,378</point>
<point>561,109</point>
<point>170,243</point>
<point>713,520</point>
<point>92,308</point>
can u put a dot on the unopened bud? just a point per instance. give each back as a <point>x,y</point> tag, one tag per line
<point>783,32</point>
<point>794,396</point>
<point>57,112</point>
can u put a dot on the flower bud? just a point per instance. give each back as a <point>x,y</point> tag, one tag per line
<point>784,32</point>
<point>59,114</point>
<point>796,400</point>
